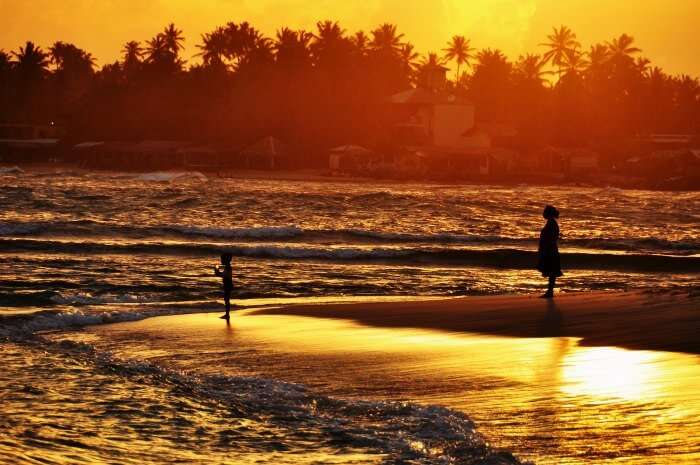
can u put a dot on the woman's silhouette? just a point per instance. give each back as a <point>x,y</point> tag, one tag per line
<point>549,263</point>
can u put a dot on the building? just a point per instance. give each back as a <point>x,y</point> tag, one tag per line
<point>29,150</point>
<point>421,117</point>
<point>30,143</point>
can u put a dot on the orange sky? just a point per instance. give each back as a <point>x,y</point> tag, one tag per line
<point>665,29</point>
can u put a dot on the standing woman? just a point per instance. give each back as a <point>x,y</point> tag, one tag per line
<point>549,263</point>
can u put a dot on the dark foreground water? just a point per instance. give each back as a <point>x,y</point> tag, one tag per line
<point>92,248</point>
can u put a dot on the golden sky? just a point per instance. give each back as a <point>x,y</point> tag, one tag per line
<point>665,29</point>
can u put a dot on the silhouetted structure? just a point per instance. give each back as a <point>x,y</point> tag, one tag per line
<point>326,88</point>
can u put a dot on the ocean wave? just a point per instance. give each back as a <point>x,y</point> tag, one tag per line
<point>21,228</point>
<point>241,233</point>
<point>498,258</point>
<point>26,324</point>
<point>436,237</point>
<point>402,432</point>
<point>87,298</point>
<point>349,236</point>
<point>170,176</point>
<point>11,170</point>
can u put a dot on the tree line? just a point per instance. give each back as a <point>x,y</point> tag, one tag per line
<point>314,89</point>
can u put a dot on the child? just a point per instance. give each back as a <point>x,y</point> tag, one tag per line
<point>227,277</point>
<point>549,263</point>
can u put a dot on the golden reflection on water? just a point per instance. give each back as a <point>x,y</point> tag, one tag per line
<point>611,372</point>
<point>548,398</point>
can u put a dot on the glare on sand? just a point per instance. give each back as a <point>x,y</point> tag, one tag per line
<point>560,363</point>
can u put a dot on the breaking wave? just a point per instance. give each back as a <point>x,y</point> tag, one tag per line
<point>169,176</point>
<point>499,258</point>
<point>348,236</point>
<point>401,432</point>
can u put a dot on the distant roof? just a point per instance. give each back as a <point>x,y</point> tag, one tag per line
<point>28,142</point>
<point>421,96</point>
<point>351,150</point>
<point>87,145</point>
<point>417,96</point>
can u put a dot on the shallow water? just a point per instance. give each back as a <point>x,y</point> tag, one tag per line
<point>95,248</point>
<point>89,239</point>
<point>60,410</point>
<point>548,400</point>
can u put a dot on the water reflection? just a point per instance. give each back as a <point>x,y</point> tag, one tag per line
<point>549,399</point>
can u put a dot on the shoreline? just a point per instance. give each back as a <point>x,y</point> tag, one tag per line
<point>634,320</point>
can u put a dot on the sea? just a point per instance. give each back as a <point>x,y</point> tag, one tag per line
<point>89,249</point>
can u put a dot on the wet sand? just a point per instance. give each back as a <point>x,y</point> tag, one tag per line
<point>635,320</point>
<point>546,399</point>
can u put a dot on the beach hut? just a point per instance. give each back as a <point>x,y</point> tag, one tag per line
<point>267,153</point>
<point>351,158</point>
<point>29,150</point>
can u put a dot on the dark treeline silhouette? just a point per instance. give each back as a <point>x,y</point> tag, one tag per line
<point>315,89</point>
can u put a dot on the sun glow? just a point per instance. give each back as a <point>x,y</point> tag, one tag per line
<point>516,26</point>
<point>608,372</point>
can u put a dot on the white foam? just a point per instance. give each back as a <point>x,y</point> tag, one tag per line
<point>28,324</point>
<point>86,298</point>
<point>9,229</point>
<point>11,170</point>
<point>253,233</point>
<point>169,176</point>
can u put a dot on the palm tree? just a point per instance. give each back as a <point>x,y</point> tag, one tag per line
<point>361,42</point>
<point>622,48</point>
<point>70,59</point>
<point>329,32</point>
<point>642,64</point>
<point>132,52</point>
<point>460,51</point>
<point>330,46</point>
<point>386,39</point>
<point>213,47</point>
<point>173,39</point>
<point>240,39</point>
<point>598,55</point>
<point>409,57</point>
<point>292,47</point>
<point>156,48</point>
<point>531,68</point>
<point>575,63</point>
<point>5,62</point>
<point>31,61</point>
<point>561,41</point>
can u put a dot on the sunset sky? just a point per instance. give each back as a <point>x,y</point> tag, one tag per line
<point>665,29</point>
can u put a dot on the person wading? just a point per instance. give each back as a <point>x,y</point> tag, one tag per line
<point>227,277</point>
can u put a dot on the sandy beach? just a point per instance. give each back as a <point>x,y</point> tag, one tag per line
<point>636,320</point>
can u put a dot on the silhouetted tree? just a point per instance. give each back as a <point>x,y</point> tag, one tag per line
<point>561,41</point>
<point>459,49</point>
<point>330,87</point>
<point>491,85</point>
